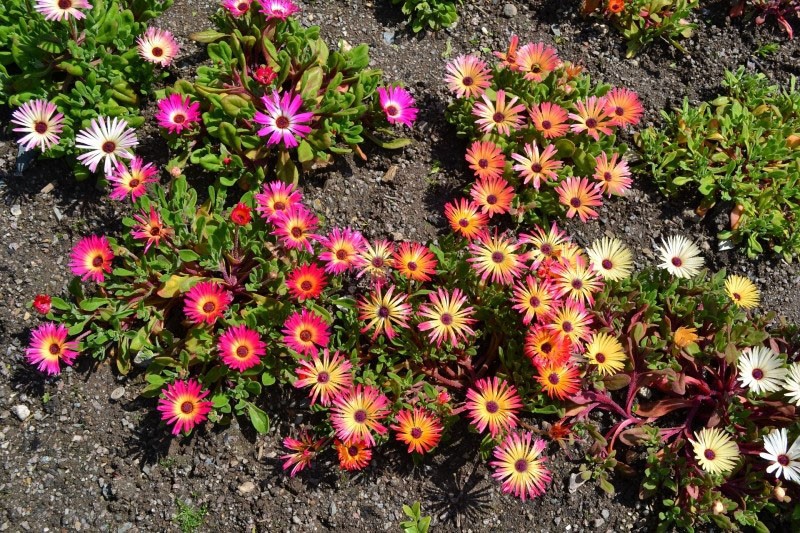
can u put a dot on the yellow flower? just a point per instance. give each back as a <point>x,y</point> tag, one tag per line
<point>715,451</point>
<point>742,292</point>
<point>684,336</point>
<point>607,353</point>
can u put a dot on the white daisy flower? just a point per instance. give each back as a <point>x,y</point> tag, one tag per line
<point>714,450</point>
<point>680,256</point>
<point>39,122</point>
<point>791,387</point>
<point>761,370</point>
<point>62,9</point>
<point>784,459</point>
<point>105,138</point>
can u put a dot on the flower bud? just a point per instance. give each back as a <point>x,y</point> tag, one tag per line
<point>718,508</point>
<point>780,494</point>
<point>41,302</point>
<point>240,214</point>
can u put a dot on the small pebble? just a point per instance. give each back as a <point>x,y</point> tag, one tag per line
<point>246,487</point>
<point>21,411</point>
<point>509,11</point>
<point>118,393</point>
<point>16,210</point>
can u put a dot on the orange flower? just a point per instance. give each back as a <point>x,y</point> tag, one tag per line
<point>493,195</point>
<point>414,261</point>
<point>684,336</point>
<point>580,196</point>
<point>615,7</point>
<point>559,381</point>
<point>420,429</point>
<point>486,159</point>
<point>550,119</point>
<point>465,218</point>
<point>353,455</point>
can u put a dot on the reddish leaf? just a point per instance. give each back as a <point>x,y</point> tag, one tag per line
<point>633,436</point>
<point>617,381</point>
<point>663,407</point>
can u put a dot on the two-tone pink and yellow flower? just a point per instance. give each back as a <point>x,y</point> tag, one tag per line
<point>384,310</point>
<point>493,403</point>
<point>613,174</point>
<point>533,298</point>
<point>414,261</point>
<point>467,76</point>
<point>150,227</point>
<point>62,9</point>
<point>357,412</point>
<point>91,258</point>
<point>342,248</point>
<point>241,348</point>
<point>276,196</point>
<point>294,227</point>
<point>206,302</point>
<point>500,116</point>
<point>420,429</point>
<point>183,405</point>
<point>624,107</point>
<point>466,218</point>
<point>375,260</point>
<point>327,376</point>
<point>592,118</point>
<point>158,46</point>
<point>493,194</point>
<point>579,196</point>
<point>537,61</point>
<point>305,332</point>
<point>495,257</point>
<point>486,159</point>
<point>132,180</point>
<point>519,466</point>
<point>303,450</point>
<point>550,119</point>
<point>449,317</point>
<point>49,347</point>
<point>536,166</point>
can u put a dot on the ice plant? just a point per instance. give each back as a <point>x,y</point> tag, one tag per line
<point>183,405</point>
<point>206,302</point>
<point>591,118</point>
<point>40,122</point>
<point>449,318</point>
<point>465,218</point>
<point>499,116</point>
<point>570,320</point>
<point>791,387</point>
<point>398,105</point>
<point>613,176</point>
<point>327,376</point>
<point>545,347</point>
<point>42,303</point>
<point>576,282</point>
<point>414,261</point>
<point>353,455</point>
<point>241,348</point>
<point>537,61</point>
<point>580,197</point>
<point>150,227</point>
<point>375,260</point>
<point>91,258</point>
<point>278,9</point>
<point>276,196</point>
<point>467,76</point>
<point>306,281</point>
<point>535,166</point>
<point>486,159</point>
<point>559,380</point>
<point>624,107</point>
<point>342,247</point>
<point>176,114</point>
<point>237,8</point>
<point>106,139</point>
<point>493,403</point>
<point>49,347</point>
<point>493,194</point>
<point>294,227</point>
<point>533,298</point>
<point>304,331</point>
<point>784,461</point>
<point>610,258</point>
<point>742,292</point>
<point>357,412</point>
<point>158,46</point>
<point>715,450</point>
<point>420,429</point>
<point>683,336</point>
<point>519,465</point>
<point>544,244</point>
<point>384,310</point>
<point>131,180</point>
<point>283,122</point>
<point>241,214</point>
<point>303,451</point>
<point>495,256</point>
<point>606,352</point>
<point>761,370</point>
<point>550,119</point>
<point>680,257</point>
<point>62,9</point>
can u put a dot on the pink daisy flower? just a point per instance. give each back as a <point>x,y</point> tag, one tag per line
<point>132,181</point>
<point>237,8</point>
<point>241,348</point>
<point>614,176</point>
<point>342,249</point>
<point>519,466</point>
<point>357,412</point>
<point>278,9</point>
<point>62,9</point>
<point>282,122</point>
<point>106,139</point>
<point>39,122</point>
<point>183,405</point>
<point>579,196</point>
<point>327,376</point>
<point>467,76</point>
<point>206,302</point>
<point>91,258</point>
<point>295,227</point>
<point>305,331</point>
<point>276,196</point>
<point>592,118</point>
<point>158,46</point>
<point>398,105</point>
<point>499,115</point>
<point>624,107</point>
<point>49,346</point>
<point>493,403</point>
<point>176,114</point>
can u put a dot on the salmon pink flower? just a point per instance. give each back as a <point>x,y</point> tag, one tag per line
<point>49,346</point>
<point>106,139</point>
<point>579,197</point>
<point>420,429</point>
<point>278,9</point>
<point>353,455</point>
<point>498,115</point>
<point>304,450</point>
<point>624,107</point>
<point>537,61</point>
<point>486,159</point>
<point>415,261</point>
<point>533,298</point>
<point>304,331</point>
<point>614,177</point>
<point>559,380</point>
<point>276,196</point>
<point>40,122</point>
<point>176,114</point>
<point>158,46</point>
<point>150,227</point>
<point>592,118</point>
<point>241,348</point>
<point>132,181</point>
<point>183,405</point>
<point>467,76</point>
<point>341,249</point>
<point>91,258</point>
<point>282,122</point>
<point>519,466</point>
<point>494,195</point>
<point>550,120</point>
<point>398,105</point>
<point>357,412</point>
<point>449,318</point>
<point>62,9</point>
<point>42,303</point>
<point>306,282</point>
<point>535,166</point>
<point>493,403</point>
<point>206,302</point>
<point>294,228</point>
<point>465,218</point>
<point>327,376</point>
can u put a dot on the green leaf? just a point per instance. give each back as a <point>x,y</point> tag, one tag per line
<point>258,418</point>
<point>91,304</point>
<point>59,304</point>
<point>207,36</point>
<point>188,255</point>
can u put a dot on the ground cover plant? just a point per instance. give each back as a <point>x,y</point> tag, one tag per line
<point>781,10</point>
<point>429,14</point>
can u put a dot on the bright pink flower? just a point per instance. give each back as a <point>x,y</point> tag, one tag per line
<point>278,9</point>
<point>519,466</point>
<point>305,331</point>
<point>305,449</point>
<point>398,105</point>
<point>241,348</point>
<point>183,405</point>
<point>282,122</point>
<point>40,122</point>
<point>295,226</point>
<point>91,258</point>
<point>49,346</point>
<point>341,249</point>
<point>237,8</point>
<point>177,114</point>
<point>276,196</point>
<point>150,227</point>
<point>358,411</point>
<point>132,181</point>
<point>206,302</point>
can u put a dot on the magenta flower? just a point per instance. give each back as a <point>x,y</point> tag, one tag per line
<point>342,249</point>
<point>276,196</point>
<point>39,123</point>
<point>237,8</point>
<point>176,114</point>
<point>398,104</point>
<point>62,9</point>
<point>278,9</point>
<point>91,258</point>
<point>241,348</point>
<point>305,331</point>
<point>282,121</point>
<point>183,405</point>
<point>295,227</point>
<point>132,180</point>
<point>206,302</point>
<point>49,346</point>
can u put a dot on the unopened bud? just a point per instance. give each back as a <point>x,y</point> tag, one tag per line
<point>780,494</point>
<point>718,508</point>
<point>175,171</point>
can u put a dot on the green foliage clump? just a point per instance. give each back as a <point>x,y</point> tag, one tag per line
<point>429,14</point>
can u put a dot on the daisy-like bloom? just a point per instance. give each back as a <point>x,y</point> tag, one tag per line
<point>792,384</point>
<point>49,346</point>
<point>358,411</point>
<point>384,311</point>
<point>306,281</point>
<point>341,249</point>
<point>493,403</point>
<point>537,61</point>
<point>241,348</point>
<point>132,181</point>
<point>106,139</point>
<point>580,196</point>
<point>742,292</point>
<point>398,105</point>
<point>571,320</point>
<point>327,376</point>
<point>294,227</point>
<point>493,194</point>
<point>91,258</point>
<point>62,9</point>
<point>375,259</point>
<point>519,466</point>
<point>683,336</point>
<point>448,317</point>
<point>467,76</point>
<point>486,159</point>
<point>607,353</point>
<point>282,122</point>
<point>414,261</point>
<point>545,244</point>
<point>624,107</point>
<point>785,460</point>
<point>276,196</point>
<point>303,451</point>
<point>353,455</point>
<point>206,302</point>
<point>150,227</point>
<point>715,450</point>
<point>545,347</point>
<point>40,122</point>
<point>571,256</point>
<point>158,46</point>
<point>761,369</point>
<point>614,177</point>
<point>577,282</point>
<point>550,119</point>
<point>680,256</point>
<point>610,258</point>
<point>420,429</point>
<point>241,214</point>
<point>559,380</point>
<point>237,8</point>
<point>591,118</point>
<point>278,9</point>
<point>534,166</point>
<point>495,256</point>
<point>183,405</point>
<point>305,331</point>
<point>42,303</point>
<point>177,114</point>
<point>498,116</point>
<point>615,7</point>
<point>465,218</point>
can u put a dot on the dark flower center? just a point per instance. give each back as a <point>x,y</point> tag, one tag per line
<point>483,163</point>
<point>607,176</point>
<point>64,4</point>
<point>157,51</point>
<point>323,377</point>
<point>155,231</point>
<point>282,122</point>
<point>360,416</point>
<point>416,433</point>
<point>619,111</point>
<point>463,223</point>
<point>521,466</point>
<point>242,351</point>
<point>377,262</point>
<point>187,407</point>
<point>279,206</point>
<point>352,451</point>
<point>306,285</point>
<point>758,373</point>
<point>575,202</point>
<point>97,261</point>
<point>109,147</point>
<point>546,347</point>
<point>446,319</point>
<point>491,199</point>
<point>498,257</point>
<point>536,168</point>
<point>467,81</point>
<point>553,378</point>
<point>591,123</point>
<point>55,348</point>
<point>566,327</point>
<point>492,407</point>
<point>607,264</point>
<point>577,284</point>
<point>296,232</point>
<point>676,261</point>
<point>536,69</point>
<point>737,296</point>
<point>209,307</point>
<point>40,127</point>
<point>341,255</point>
<point>600,358</point>
<point>305,335</point>
<point>179,118</point>
<point>383,312</point>
<point>133,183</point>
<point>242,7</point>
<point>546,249</point>
<point>546,124</point>
<point>392,110</point>
<point>534,301</point>
<point>783,460</point>
<point>498,118</point>
<point>411,265</point>
<point>709,454</point>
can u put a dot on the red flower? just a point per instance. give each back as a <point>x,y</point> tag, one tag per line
<point>241,214</point>
<point>264,75</point>
<point>41,302</point>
